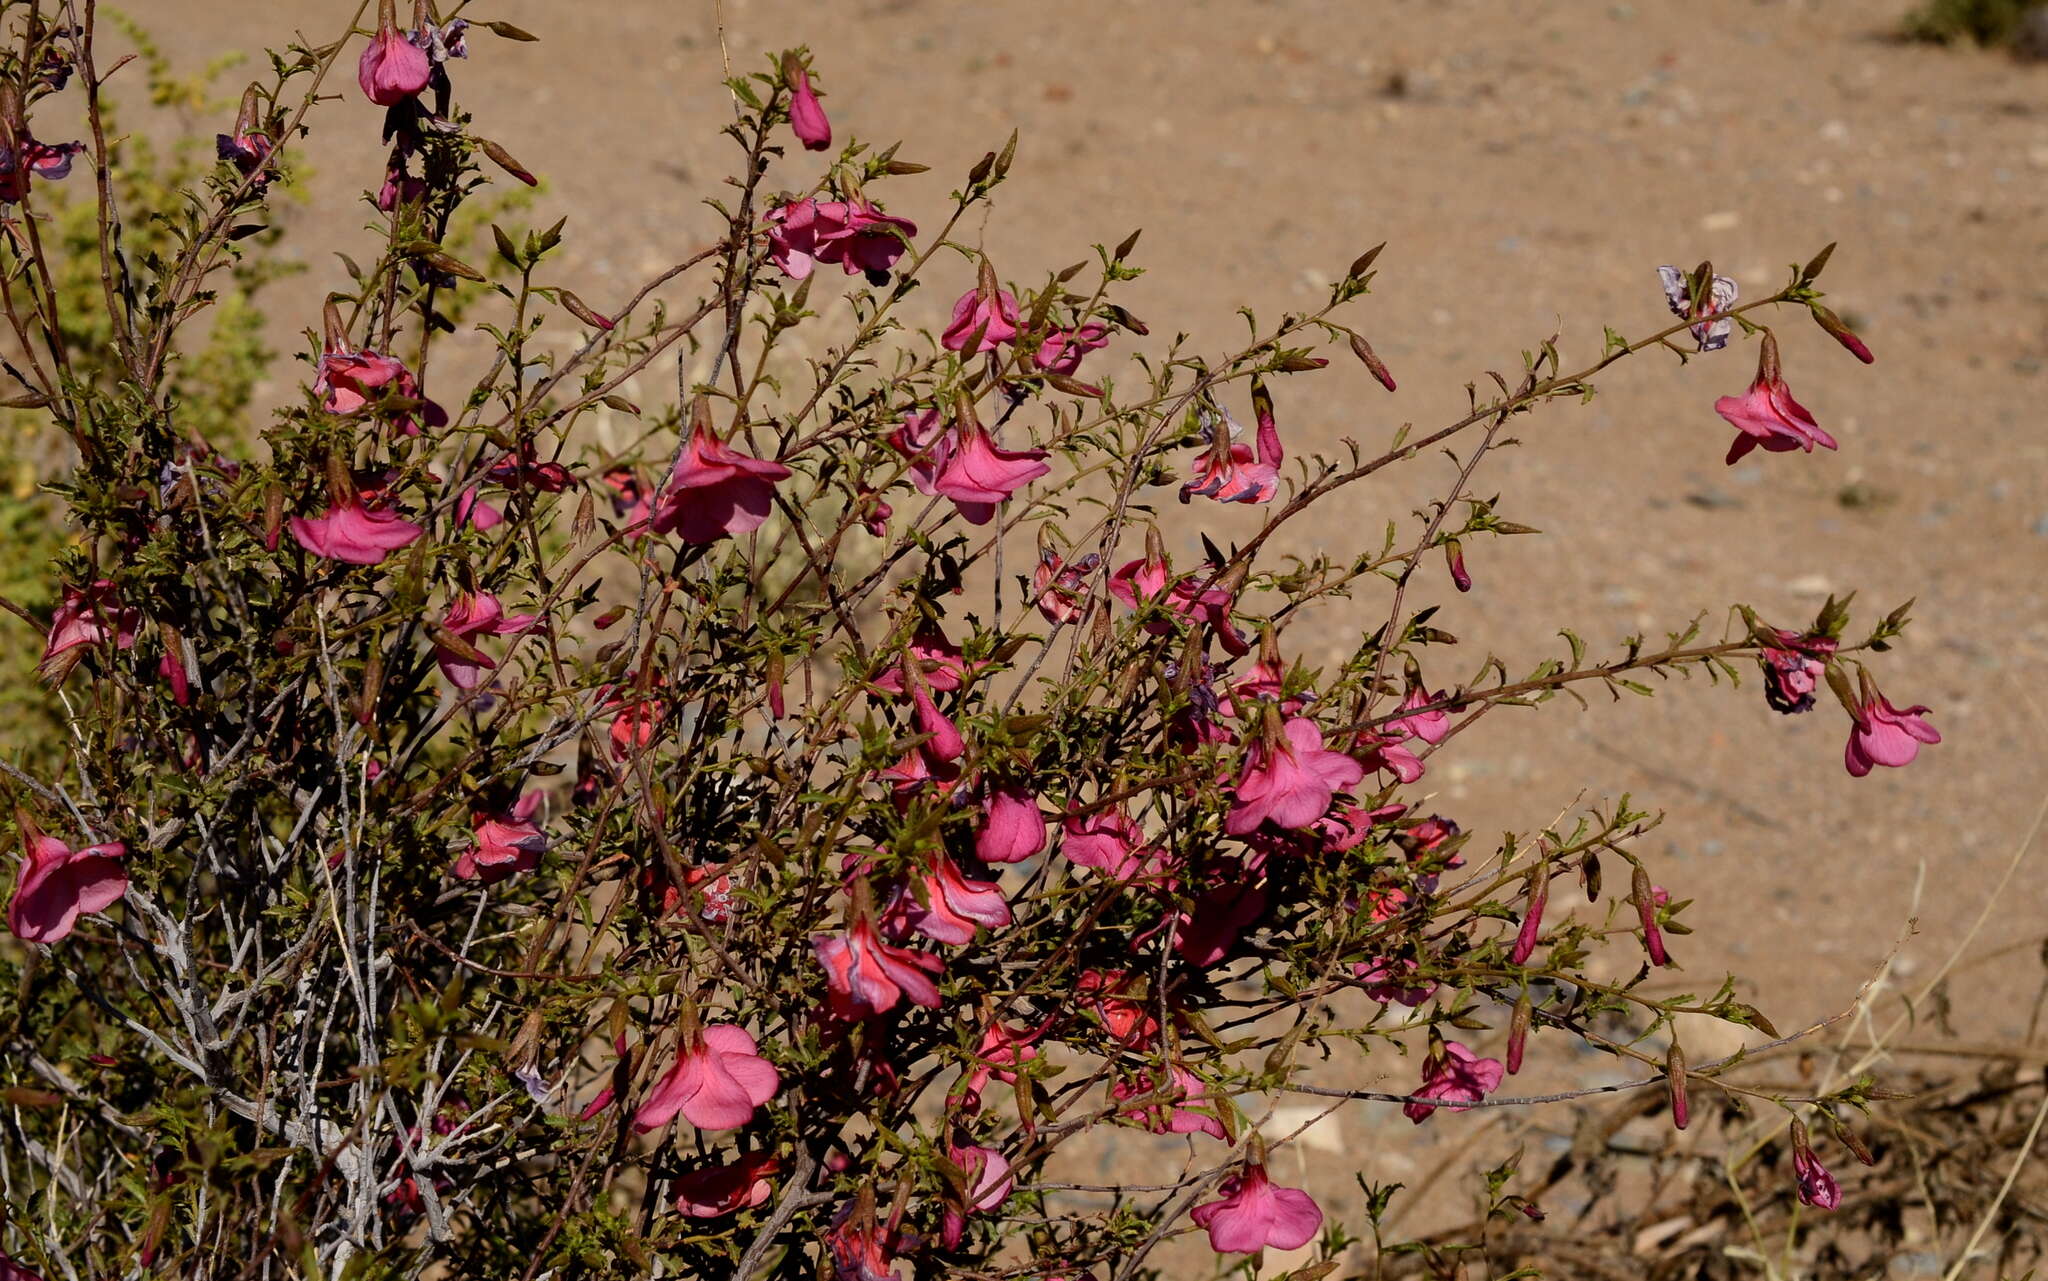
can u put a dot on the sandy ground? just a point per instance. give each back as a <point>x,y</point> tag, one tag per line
<point>1529,165</point>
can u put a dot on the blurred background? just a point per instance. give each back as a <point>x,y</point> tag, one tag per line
<point>1529,166</point>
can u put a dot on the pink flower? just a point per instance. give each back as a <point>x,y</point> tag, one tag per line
<point>10,1270</point>
<point>953,906</point>
<point>1766,414</point>
<point>937,659</point>
<point>1205,932</point>
<point>852,233</point>
<point>717,1082</point>
<point>1885,735</point>
<point>1062,589</point>
<point>58,884</point>
<point>721,1189</point>
<point>1254,1214</point>
<point>1430,727</point>
<point>350,532</point>
<point>471,615</point>
<point>1182,1116</point>
<point>862,1250</point>
<point>988,1185</point>
<point>981,474</point>
<point>1012,829</point>
<point>1457,1075</point>
<point>1817,1187</point>
<point>867,976</point>
<point>943,742</point>
<point>715,491</point>
<point>471,509</point>
<point>1793,673</point>
<point>1105,841</point>
<point>1289,779</point>
<point>506,842</point>
<point>392,69</point>
<point>984,318</point>
<point>1129,1021</point>
<point>29,157</point>
<point>1385,752</point>
<point>1226,472</point>
<point>806,118</point>
<point>1002,1048</point>
<point>246,149</point>
<point>1062,350</point>
<point>86,617</point>
<point>1388,982</point>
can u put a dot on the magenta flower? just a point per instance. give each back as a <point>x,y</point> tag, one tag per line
<point>716,1083</point>
<point>988,1185</point>
<point>715,491</point>
<point>1205,932</point>
<point>1389,982</point>
<point>1002,1048</point>
<point>1062,589</point>
<point>856,235</point>
<point>1456,1075</point>
<point>953,906</point>
<point>1431,726</point>
<point>1385,752</point>
<point>507,841</point>
<point>86,617</point>
<point>867,976</point>
<point>1817,1187</point>
<point>1792,674</point>
<point>1766,414</point>
<point>1106,840</point>
<point>1289,779</point>
<point>1062,350</point>
<point>350,532</point>
<point>937,659</point>
<point>24,157</point>
<point>806,118</point>
<point>471,615</point>
<point>721,1189</point>
<point>1885,735</point>
<point>247,149</point>
<point>944,743</point>
<point>11,1270</point>
<point>1184,1115</point>
<point>1225,471</point>
<point>1129,1020</point>
<point>1012,827</point>
<point>1254,1214</point>
<point>58,884</point>
<point>392,68</point>
<point>963,463</point>
<point>983,318</point>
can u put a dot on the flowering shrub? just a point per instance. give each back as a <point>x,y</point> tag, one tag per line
<point>764,850</point>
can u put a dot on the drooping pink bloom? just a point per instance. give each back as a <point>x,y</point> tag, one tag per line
<point>937,659</point>
<point>1106,840</point>
<point>1184,1115</point>
<point>806,117</point>
<point>715,491</point>
<point>1766,414</point>
<point>1289,779</point>
<point>861,239</point>
<point>982,317</point>
<point>1002,1048</point>
<point>978,474</point>
<point>1225,471</point>
<point>470,615</point>
<point>348,381</point>
<point>1793,673</point>
<point>1061,588</point>
<point>58,884</point>
<point>392,68</point>
<point>867,976</point>
<point>793,237</point>
<point>721,1189</point>
<point>1883,734</point>
<point>1129,1020</point>
<point>471,509</point>
<point>1205,932</point>
<point>507,841</point>
<point>1388,981</point>
<point>917,771</point>
<point>716,1083</point>
<point>1430,726</point>
<point>953,906</point>
<point>1062,350</point>
<point>988,1185</point>
<point>1386,752</point>
<point>1458,1077</point>
<point>1141,580</point>
<point>354,533</point>
<point>522,469</point>
<point>1254,1214</point>
<point>1817,1187</point>
<point>944,742</point>
<point>86,617</point>
<point>1013,828</point>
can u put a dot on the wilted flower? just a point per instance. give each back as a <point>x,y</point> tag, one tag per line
<point>1711,335</point>
<point>1794,670</point>
<point>1062,349</point>
<point>86,617</point>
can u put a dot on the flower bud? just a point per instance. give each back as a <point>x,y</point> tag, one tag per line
<point>1841,333</point>
<point>1363,350</point>
<point>1674,1073</point>
<point>1454,556</point>
<point>1532,916</point>
<point>503,159</point>
<point>1518,1033</point>
<point>579,309</point>
<point>1645,897</point>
